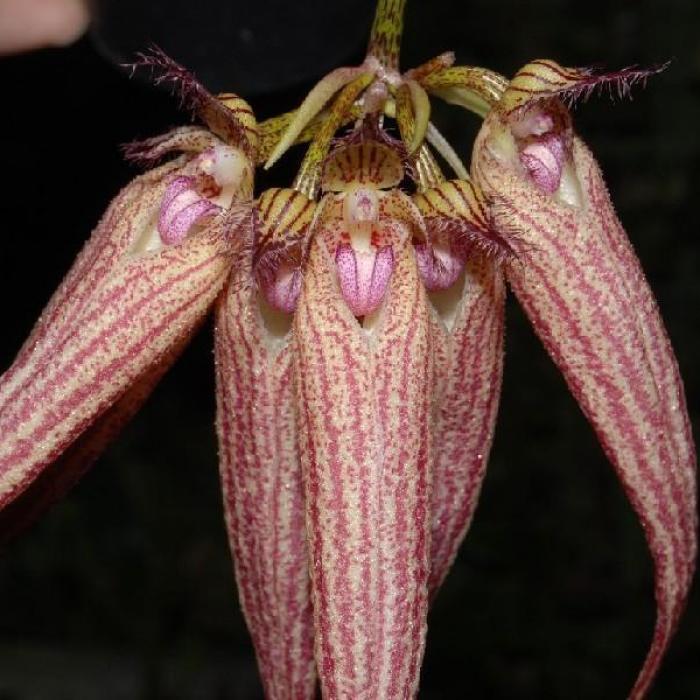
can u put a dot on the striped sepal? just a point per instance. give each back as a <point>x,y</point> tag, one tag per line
<point>116,314</point>
<point>313,103</point>
<point>245,119</point>
<point>365,409</point>
<point>263,495</point>
<point>363,163</point>
<point>455,211</point>
<point>270,131</point>
<point>544,78</point>
<point>412,99</point>
<point>59,478</point>
<point>129,215</point>
<point>282,218</point>
<point>469,361</point>
<point>580,283</point>
<point>475,89</point>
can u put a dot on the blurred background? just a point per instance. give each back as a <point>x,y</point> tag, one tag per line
<point>125,589</point>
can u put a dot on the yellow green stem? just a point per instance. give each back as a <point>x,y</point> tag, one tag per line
<point>385,39</point>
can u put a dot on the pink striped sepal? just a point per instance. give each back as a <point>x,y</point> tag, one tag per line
<point>579,280</point>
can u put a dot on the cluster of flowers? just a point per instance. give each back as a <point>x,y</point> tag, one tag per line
<point>359,345</point>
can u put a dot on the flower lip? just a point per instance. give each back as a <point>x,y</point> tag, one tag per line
<point>543,158</point>
<point>220,173</point>
<point>363,276</point>
<point>282,286</point>
<point>439,266</point>
<point>181,209</point>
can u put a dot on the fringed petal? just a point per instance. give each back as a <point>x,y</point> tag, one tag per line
<point>227,115</point>
<point>543,79</point>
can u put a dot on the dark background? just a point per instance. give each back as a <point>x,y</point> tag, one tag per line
<point>125,589</point>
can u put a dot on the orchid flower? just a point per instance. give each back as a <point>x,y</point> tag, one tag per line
<point>359,345</point>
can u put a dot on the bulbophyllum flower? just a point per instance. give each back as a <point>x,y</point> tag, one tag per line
<point>359,346</point>
<point>138,290</point>
<point>577,277</point>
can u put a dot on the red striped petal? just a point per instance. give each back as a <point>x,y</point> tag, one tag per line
<point>469,369</point>
<point>263,494</point>
<point>581,284</point>
<point>364,401</point>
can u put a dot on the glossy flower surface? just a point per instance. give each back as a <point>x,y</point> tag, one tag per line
<point>359,345</point>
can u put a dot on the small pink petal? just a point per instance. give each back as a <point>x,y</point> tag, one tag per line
<point>364,276</point>
<point>282,288</point>
<point>544,160</point>
<point>439,267</point>
<point>181,209</point>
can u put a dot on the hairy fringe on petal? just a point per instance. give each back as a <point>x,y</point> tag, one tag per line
<point>544,79</point>
<point>185,139</point>
<point>194,97</point>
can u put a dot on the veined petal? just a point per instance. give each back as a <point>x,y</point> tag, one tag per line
<point>577,277</point>
<point>469,362</point>
<point>365,410</point>
<point>117,314</point>
<point>263,492</point>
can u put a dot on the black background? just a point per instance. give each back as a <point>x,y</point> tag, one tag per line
<point>125,589</point>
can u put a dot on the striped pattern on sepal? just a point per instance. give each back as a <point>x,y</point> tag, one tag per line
<point>263,494</point>
<point>244,116</point>
<point>368,162</point>
<point>313,103</point>
<point>365,415</point>
<point>580,283</point>
<point>458,210</point>
<point>116,314</point>
<point>282,220</point>
<point>60,477</point>
<point>469,368</point>
<point>475,89</point>
<point>412,92</point>
<point>544,79</point>
<point>128,219</point>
